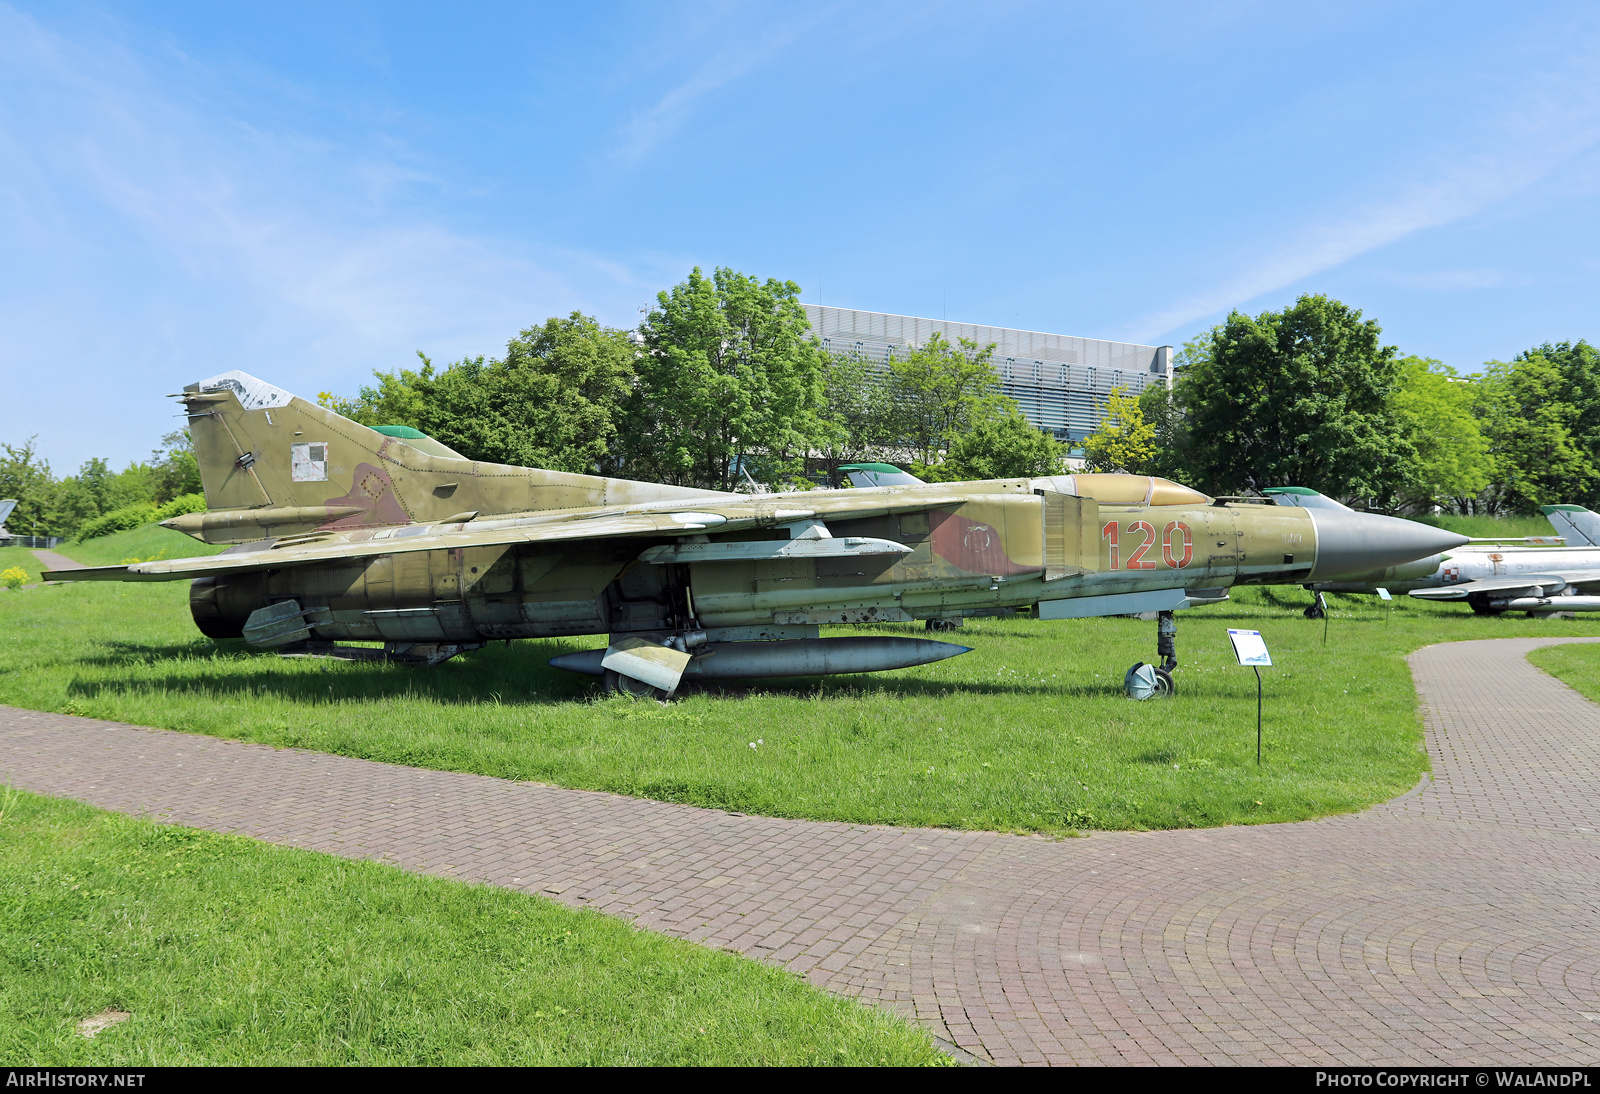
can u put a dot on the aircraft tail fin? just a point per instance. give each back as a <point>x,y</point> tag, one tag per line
<point>1580,527</point>
<point>276,465</point>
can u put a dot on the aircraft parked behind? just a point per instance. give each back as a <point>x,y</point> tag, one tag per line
<point>1537,574</point>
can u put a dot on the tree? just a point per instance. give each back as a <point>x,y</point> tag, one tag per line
<point>941,391</point>
<point>402,397</point>
<point>1533,418</point>
<point>1578,364</point>
<point>1005,446</point>
<point>554,401</point>
<point>173,468</point>
<point>1435,409</point>
<point>27,478</point>
<point>730,377</point>
<point>81,497</point>
<point>1299,398</point>
<point>1169,427</point>
<point>1124,441</point>
<point>858,411</point>
<point>96,490</point>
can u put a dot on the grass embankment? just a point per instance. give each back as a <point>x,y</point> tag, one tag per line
<point>225,950</point>
<point>139,545</point>
<point>1029,732</point>
<point>1577,666</point>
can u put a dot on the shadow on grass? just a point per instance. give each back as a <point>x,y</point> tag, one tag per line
<point>519,675</point>
<point>115,653</point>
<point>1278,598</point>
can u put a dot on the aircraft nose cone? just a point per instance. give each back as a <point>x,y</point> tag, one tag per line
<point>1355,543</point>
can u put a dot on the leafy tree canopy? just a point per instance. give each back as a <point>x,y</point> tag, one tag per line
<point>1435,410</point>
<point>553,401</point>
<point>942,391</point>
<point>1298,397</point>
<point>1536,415</point>
<point>859,414</point>
<point>1002,446</point>
<point>729,377</point>
<point>27,478</point>
<point>59,507</point>
<point>1124,441</point>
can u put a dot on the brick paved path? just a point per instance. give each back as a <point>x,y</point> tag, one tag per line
<point>1459,924</point>
<point>52,561</point>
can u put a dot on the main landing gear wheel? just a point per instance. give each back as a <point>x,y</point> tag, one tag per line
<point>1314,612</point>
<point>618,684</point>
<point>939,625</point>
<point>1481,608</point>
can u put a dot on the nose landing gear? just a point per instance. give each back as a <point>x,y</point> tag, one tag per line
<point>1151,681</point>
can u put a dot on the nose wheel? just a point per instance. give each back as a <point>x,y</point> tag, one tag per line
<point>1155,681</point>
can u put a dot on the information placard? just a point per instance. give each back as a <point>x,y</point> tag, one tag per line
<point>1250,648</point>
<point>1383,594</point>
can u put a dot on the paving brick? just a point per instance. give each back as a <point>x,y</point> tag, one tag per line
<point>1458,924</point>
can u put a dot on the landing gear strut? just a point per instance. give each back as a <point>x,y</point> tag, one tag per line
<point>1151,681</point>
<point>1319,606</point>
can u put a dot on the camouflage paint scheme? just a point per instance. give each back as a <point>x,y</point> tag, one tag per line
<point>380,537</point>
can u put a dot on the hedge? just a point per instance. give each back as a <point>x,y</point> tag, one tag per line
<point>130,517</point>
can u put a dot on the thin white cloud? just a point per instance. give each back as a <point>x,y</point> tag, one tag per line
<point>149,233</point>
<point>653,126</point>
<point>1546,123</point>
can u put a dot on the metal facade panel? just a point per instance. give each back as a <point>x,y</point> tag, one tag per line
<point>1060,382</point>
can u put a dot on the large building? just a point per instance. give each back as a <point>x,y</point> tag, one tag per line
<point>1061,382</point>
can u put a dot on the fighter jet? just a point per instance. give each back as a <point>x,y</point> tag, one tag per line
<point>6,507</point>
<point>341,532</point>
<point>1578,526</point>
<point>1537,574</point>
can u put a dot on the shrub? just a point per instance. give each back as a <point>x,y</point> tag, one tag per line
<point>14,578</point>
<point>118,520</point>
<point>183,503</point>
<point>133,516</point>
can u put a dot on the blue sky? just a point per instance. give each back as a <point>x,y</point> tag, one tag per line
<point>312,191</point>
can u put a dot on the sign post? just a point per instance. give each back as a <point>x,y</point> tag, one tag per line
<point>1251,649</point>
<point>1383,595</point>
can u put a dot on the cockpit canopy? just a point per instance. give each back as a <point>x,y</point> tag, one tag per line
<point>1302,497</point>
<point>418,440</point>
<point>1123,489</point>
<point>877,474</point>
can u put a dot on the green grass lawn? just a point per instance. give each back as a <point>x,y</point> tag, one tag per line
<point>1030,732</point>
<point>138,545</point>
<point>225,950</point>
<point>1576,666</point>
<point>21,558</point>
<point>1492,527</point>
